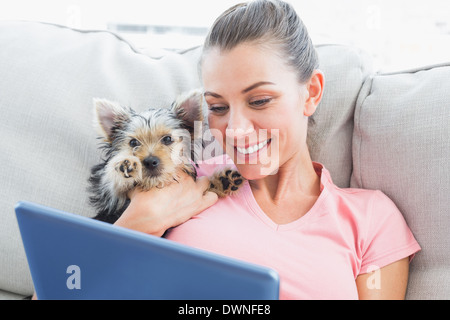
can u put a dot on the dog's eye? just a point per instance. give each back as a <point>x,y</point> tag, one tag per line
<point>167,140</point>
<point>134,143</point>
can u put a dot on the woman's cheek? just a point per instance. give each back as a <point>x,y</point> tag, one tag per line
<point>217,127</point>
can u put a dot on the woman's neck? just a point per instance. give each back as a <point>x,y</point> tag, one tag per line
<point>291,192</point>
<point>296,176</point>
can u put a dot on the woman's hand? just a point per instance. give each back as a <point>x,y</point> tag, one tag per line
<point>157,210</point>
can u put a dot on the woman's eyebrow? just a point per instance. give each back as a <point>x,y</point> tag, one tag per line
<point>212,94</point>
<point>253,86</point>
<point>258,84</point>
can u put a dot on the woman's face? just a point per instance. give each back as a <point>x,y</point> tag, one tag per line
<point>257,109</point>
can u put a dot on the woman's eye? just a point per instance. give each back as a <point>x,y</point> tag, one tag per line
<point>167,140</point>
<point>217,109</point>
<point>134,143</point>
<point>260,102</point>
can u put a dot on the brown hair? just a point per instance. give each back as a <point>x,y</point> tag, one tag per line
<point>266,22</point>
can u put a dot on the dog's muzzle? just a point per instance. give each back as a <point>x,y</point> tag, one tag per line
<point>151,163</point>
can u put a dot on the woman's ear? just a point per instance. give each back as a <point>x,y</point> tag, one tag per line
<point>315,88</point>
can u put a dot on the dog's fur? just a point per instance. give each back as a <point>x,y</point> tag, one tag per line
<point>147,150</point>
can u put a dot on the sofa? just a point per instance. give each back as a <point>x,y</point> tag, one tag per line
<point>386,131</point>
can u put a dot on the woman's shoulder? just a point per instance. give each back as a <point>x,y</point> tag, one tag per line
<point>368,199</point>
<point>362,204</point>
<point>360,198</point>
<point>365,202</point>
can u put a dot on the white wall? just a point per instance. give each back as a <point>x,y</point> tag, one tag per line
<point>399,34</point>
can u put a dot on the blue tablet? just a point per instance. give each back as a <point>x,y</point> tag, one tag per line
<point>74,257</point>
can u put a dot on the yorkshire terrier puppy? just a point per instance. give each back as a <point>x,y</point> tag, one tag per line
<point>148,150</point>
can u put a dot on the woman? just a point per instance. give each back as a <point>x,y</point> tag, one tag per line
<point>261,82</point>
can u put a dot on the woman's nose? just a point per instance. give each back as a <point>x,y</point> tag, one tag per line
<point>239,125</point>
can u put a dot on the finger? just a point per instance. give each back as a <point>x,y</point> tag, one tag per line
<point>203,183</point>
<point>209,199</point>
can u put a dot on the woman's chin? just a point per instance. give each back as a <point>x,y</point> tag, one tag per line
<point>256,171</point>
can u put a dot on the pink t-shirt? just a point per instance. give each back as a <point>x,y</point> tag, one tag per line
<point>346,233</point>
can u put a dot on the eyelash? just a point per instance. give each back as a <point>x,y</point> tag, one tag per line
<point>255,104</point>
<point>220,109</point>
<point>260,102</point>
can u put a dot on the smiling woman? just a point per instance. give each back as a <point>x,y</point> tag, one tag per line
<point>322,240</point>
<point>256,85</point>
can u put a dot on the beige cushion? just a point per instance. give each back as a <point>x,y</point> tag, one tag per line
<point>402,146</point>
<point>330,130</point>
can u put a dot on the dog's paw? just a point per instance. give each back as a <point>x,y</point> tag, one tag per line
<point>226,182</point>
<point>128,168</point>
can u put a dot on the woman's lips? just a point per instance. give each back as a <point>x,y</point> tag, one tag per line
<point>252,149</point>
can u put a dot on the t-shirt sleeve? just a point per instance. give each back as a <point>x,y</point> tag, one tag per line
<point>388,237</point>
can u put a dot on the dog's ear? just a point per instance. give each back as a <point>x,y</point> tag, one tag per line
<point>189,108</point>
<point>109,117</point>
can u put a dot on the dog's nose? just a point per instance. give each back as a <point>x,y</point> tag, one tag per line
<point>151,162</point>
